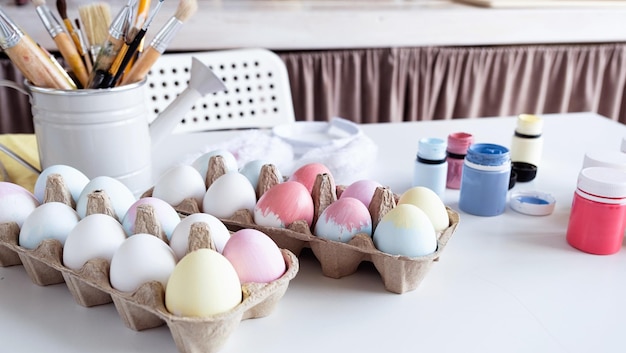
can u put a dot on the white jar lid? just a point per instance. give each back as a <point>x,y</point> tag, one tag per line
<point>534,203</point>
<point>603,182</point>
<point>605,158</point>
<point>529,124</point>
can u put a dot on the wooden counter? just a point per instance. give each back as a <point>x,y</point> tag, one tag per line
<point>328,24</point>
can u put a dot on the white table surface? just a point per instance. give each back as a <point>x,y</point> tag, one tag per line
<point>508,283</point>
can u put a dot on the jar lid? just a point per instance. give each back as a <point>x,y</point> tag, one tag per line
<point>525,171</point>
<point>459,142</point>
<point>432,148</point>
<point>603,181</point>
<point>529,124</point>
<point>604,158</point>
<point>533,203</point>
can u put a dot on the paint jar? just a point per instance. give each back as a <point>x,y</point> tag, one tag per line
<point>458,143</point>
<point>485,180</point>
<point>527,142</point>
<point>598,217</point>
<point>608,158</point>
<point>431,167</point>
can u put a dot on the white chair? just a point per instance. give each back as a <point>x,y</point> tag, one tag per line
<point>258,93</point>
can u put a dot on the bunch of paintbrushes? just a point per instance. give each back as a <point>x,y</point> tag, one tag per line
<point>100,52</point>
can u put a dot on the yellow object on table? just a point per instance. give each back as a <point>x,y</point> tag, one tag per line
<point>25,146</point>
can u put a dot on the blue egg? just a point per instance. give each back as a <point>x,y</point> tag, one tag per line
<point>405,230</point>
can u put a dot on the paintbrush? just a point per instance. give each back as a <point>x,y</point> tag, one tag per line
<point>143,8</point>
<point>137,38</point>
<point>100,75</point>
<point>74,33</point>
<point>84,46</point>
<point>27,56</point>
<point>96,19</point>
<point>63,41</point>
<point>186,9</point>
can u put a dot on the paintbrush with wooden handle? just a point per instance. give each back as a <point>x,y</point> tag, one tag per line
<point>161,40</point>
<point>63,41</point>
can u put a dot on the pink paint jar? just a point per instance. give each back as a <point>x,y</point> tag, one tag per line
<point>458,143</point>
<point>598,216</point>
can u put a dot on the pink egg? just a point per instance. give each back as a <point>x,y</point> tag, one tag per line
<point>307,173</point>
<point>284,204</point>
<point>16,203</point>
<point>362,190</point>
<point>255,256</point>
<point>343,219</point>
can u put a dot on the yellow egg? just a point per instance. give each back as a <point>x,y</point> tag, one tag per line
<point>429,202</point>
<point>203,283</point>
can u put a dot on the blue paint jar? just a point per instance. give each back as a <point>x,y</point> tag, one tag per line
<point>431,165</point>
<point>485,180</point>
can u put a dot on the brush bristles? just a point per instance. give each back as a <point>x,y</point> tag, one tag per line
<point>186,9</point>
<point>39,2</point>
<point>96,19</point>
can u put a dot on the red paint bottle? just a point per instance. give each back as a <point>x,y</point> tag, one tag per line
<point>598,217</point>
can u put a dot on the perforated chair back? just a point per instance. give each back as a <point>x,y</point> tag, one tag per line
<point>258,93</point>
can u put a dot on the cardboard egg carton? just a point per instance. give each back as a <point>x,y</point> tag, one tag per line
<point>399,274</point>
<point>145,307</point>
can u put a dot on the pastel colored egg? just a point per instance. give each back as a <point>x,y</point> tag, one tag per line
<point>252,171</point>
<point>343,219</point>
<point>203,283</point>
<point>16,203</point>
<point>405,230</point>
<point>74,180</point>
<point>307,174</point>
<point>165,214</point>
<point>51,220</point>
<point>255,256</point>
<point>362,190</point>
<point>283,204</point>
<point>429,202</point>
<point>202,163</point>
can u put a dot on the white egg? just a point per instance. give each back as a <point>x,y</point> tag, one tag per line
<point>179,183</point>
<point>228,194</point>
<point>180,236</point>
<point>141,258</point>
<point>165,214</point>
<point>202,163</point>
<point>74,180</point>
<point>405,230</point>
<point>51,220</point>
<point>119,194</point>
<point>95,236</point>
<point>16,203</point>
<point>429,202</point>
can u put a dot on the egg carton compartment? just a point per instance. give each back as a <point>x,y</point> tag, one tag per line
<point>145,307</point>
<point>8,257</point>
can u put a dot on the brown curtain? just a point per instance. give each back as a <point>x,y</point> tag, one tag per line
<point>15,114</point>
<point>427,83</point>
